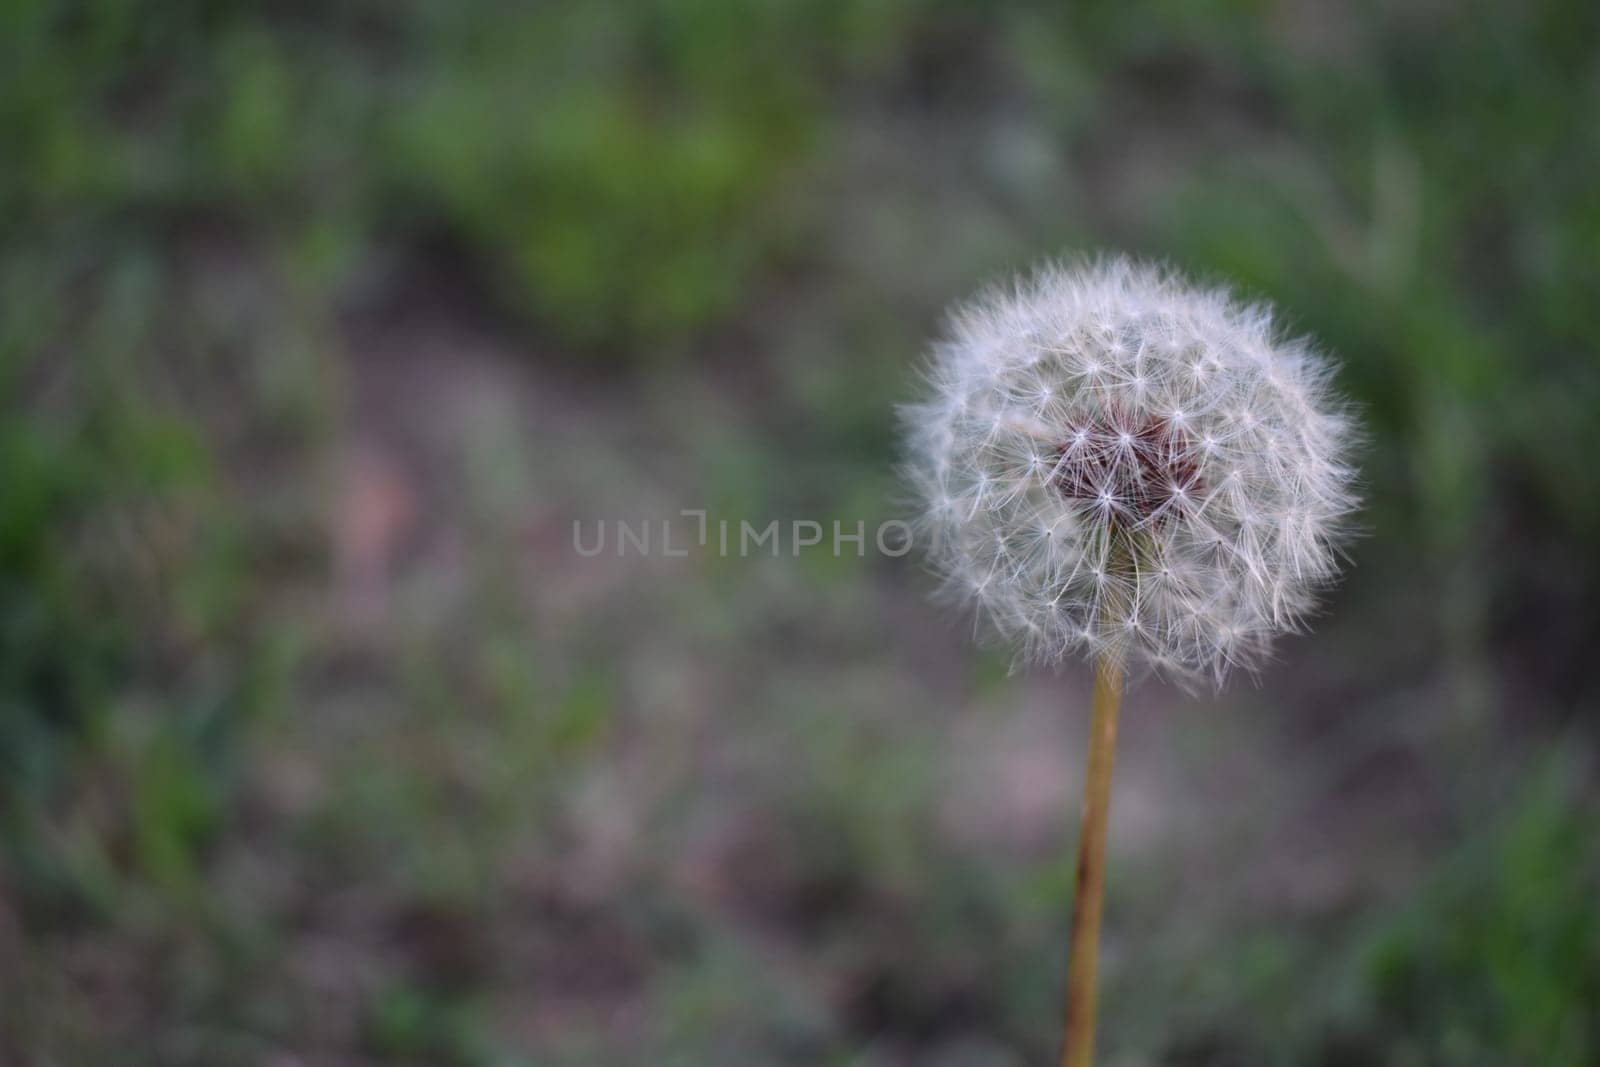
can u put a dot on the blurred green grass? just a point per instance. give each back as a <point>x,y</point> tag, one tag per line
<point>752,212</point>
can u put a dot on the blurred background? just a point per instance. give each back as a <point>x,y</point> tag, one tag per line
<point>320,323</point>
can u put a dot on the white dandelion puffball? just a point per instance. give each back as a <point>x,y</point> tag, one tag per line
<point>1114,462</point>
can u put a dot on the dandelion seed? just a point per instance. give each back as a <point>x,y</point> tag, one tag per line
<point>1182,421</point>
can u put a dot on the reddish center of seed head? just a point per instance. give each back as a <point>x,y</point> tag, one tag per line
<point>1142,468</point>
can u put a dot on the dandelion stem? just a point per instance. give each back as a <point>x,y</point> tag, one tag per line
<point>1078,1037</point>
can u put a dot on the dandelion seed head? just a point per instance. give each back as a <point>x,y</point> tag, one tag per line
<point>1112,461</point>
